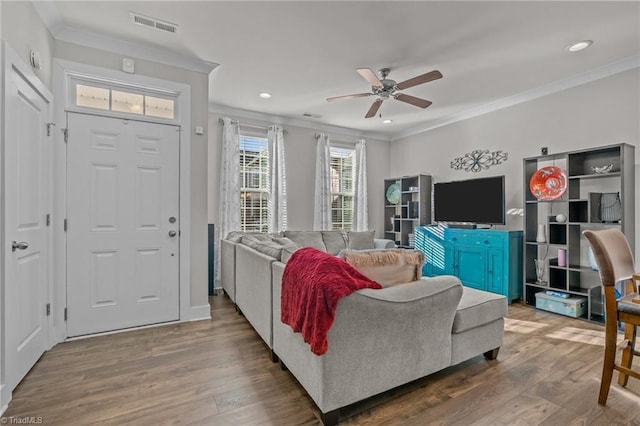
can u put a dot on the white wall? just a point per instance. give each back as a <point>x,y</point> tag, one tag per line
<point>23,29</point>
<point>300,149</point>
<point>602,112</point>
<point>199,83</point>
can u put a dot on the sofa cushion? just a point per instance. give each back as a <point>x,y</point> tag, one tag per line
<point>388,267</point>
<point>334,241</point>
<point>270,248</point>
<point>361,240</point>
<point>288,248</point>
<point>306,239</point>
<point>478,308</point>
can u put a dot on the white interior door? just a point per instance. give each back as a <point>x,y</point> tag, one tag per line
<point>26,238</point>
<point>123,224</point>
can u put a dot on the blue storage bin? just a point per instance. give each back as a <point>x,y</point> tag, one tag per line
<point>572,307</point>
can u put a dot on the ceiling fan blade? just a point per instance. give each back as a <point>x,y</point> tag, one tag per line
<point>374,109</point>
<point>421,79</point>
<point>421,103</point>
<point>370,76</point>
<point>357,95</point>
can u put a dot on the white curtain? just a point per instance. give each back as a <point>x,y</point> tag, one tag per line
<point>360,209</point>
<point>322,205</point>
<point>229,198</point>
<point>277,180</point>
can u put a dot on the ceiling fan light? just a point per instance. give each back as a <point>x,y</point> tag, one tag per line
<point>265,95</point>
<point>581,45</point>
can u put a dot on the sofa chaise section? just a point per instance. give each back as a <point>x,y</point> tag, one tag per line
<point>380,339</point>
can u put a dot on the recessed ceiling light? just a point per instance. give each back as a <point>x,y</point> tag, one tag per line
<point>387,121</point>
<point>581,45</point>
<point>265,95</point>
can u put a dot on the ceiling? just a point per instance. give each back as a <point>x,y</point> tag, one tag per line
<point>304,52</point>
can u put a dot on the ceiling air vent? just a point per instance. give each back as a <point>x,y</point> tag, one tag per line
<point>147,21</point>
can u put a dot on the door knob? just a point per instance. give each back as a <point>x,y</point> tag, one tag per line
<point>172,233</point>
<point>22,245</point>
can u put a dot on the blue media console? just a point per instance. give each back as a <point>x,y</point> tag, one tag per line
<point>484,259</point>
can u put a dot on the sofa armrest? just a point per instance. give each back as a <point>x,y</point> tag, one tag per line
<point>253,289</point>
<point>228,268</point>
<point>380,243</point>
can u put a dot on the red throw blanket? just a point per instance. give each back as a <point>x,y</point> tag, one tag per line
<point>312,284</point>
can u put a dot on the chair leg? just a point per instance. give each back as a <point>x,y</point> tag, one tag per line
<point>609,359</point>
<point>627,353</point>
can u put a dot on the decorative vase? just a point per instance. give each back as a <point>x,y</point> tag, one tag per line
<point>562,257</point>
<point>560,218</point>
<point>540,267</point>
<point>541,237</point>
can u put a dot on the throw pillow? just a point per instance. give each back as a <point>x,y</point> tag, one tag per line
<point>287,251</point>
<point>306,239</point>
<point>236,236</point>
<point>361,240</point>
<point>334,241</point>
<point>387,266</point>
<point>269,248</point>
<point>288,248</point>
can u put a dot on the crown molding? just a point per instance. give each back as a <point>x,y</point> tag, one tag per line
<point>297,122</point>
<point>604,71</point>
<point>53,21</point>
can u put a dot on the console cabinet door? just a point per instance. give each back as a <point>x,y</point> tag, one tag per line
<point>495,271</point>
<point>469,264</point>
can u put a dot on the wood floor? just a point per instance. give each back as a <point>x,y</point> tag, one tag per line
<point>219,373</point>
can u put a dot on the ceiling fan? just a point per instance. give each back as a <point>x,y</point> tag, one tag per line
<point>384,88</point>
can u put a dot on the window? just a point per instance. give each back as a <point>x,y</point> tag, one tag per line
<point>254,184</point>
<point>342,178</point>
<point>118,100</point>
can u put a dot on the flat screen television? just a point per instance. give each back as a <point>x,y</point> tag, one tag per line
<point>479,201</point>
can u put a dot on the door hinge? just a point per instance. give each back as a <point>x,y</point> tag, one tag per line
<point>65,132</point>
<point>49,128</point>
<point>65,314</point>
<point>65,225</point>
<point>48,309</point>
<point>48,219</point>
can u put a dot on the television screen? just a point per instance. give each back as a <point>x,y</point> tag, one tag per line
<point>474,200</point>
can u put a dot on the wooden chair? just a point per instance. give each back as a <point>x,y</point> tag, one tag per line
<point>615,261</point>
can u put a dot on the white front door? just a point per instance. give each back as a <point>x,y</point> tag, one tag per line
<point>123,224</point>
<point>26,236</point>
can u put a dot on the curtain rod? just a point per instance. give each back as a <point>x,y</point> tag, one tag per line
<point>284,130</point>
<point>317,135</point>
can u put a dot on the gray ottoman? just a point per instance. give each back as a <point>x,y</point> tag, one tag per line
<point>478,326</point>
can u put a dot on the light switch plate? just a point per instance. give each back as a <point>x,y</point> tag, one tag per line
<point>128,65</point>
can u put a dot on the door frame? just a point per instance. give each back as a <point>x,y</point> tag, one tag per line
<point>63,72</point>
<point>9,59</point>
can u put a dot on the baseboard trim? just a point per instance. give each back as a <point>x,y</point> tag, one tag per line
<point>199,313</point>
<point>5,399</point>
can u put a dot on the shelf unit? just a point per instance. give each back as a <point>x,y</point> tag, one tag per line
<point>413,209</point>
<point>580,204</point>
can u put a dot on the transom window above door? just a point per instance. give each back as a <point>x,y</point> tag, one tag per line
<point>96,95</point>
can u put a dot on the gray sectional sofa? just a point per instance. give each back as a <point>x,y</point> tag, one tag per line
<point>380,339</point>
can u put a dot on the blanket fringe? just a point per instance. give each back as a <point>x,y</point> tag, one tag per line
<point>383,257</point>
